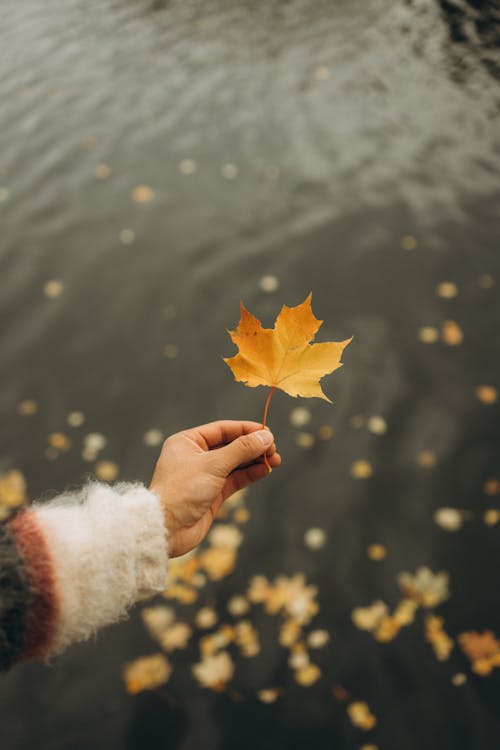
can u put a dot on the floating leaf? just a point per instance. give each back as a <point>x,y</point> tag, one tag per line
<point>428,589</point>
<point>214,671</point>
<point>435,634</point>
<point>482,649</point>
<point>361,716</point>
<point>146,673</point>
<point>175,637</point>
<point>12,489</point>
<point>269,695</point>
<point>308,675</point>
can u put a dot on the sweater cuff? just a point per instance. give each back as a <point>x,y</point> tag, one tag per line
<point>41,603</point>
<point>108,550</point>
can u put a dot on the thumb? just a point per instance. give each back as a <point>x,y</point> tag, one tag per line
<point>243,450</point>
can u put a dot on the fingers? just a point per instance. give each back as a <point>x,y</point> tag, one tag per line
<point>271,455</point>
<point>273,460</point>
<point>224,431</point>
<point>243,450</point>
<point>269,451</point>
<point>244,477</point>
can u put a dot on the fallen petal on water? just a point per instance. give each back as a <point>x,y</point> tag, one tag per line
<point>451,333</point>
<point>107,471</point>
<point>487,394</point>
<point>27,407</point>
<point>449,519</point>
<point>361,469</point>
<point>53,288</point>
<point>315,538</point>
<point>142,194</point>
<point>146,673</point>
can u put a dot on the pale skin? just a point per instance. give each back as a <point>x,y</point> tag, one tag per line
<point>201,467</point>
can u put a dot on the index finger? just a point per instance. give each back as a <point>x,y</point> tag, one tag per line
<point>221,432</point>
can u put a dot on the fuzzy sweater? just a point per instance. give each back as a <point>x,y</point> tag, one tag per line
<point>71,566</point>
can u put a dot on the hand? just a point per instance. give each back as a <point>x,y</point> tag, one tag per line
<point>199,468</point>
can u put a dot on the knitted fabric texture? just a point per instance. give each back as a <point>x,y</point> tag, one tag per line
<point>42,605</point>
<point>109,551</point>
<point>13,600</point>
<point>75,564</point>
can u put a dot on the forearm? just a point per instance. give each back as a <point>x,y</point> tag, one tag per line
<point>71,566</point>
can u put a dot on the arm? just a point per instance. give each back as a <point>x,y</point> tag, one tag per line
<point>82,561</point>
<point>71,566</point>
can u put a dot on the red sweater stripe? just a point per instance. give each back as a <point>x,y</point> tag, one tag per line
<point>43,605</point>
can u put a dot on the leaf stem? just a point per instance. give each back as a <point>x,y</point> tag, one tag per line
<point>266,409</point>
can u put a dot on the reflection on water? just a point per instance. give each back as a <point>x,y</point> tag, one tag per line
<point>158,162</point>
<point>474,30</point>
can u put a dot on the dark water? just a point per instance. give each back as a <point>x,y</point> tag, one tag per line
<point>308,141</point>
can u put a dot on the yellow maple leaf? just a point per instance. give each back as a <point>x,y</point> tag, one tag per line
<point>283,357</point>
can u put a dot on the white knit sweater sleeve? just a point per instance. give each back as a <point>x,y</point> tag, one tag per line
<point>109,549</point>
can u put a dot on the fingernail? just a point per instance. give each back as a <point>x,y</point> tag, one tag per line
<point>265,437</point>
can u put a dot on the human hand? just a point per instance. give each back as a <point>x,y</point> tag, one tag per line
<point>201,467</point>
